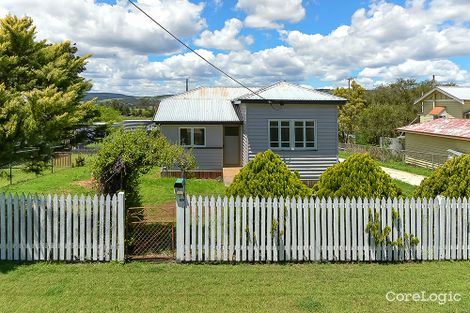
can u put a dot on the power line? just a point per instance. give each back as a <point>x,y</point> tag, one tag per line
<point>192,50</point>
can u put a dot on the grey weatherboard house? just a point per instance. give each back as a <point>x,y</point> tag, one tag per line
<point>227,127</point>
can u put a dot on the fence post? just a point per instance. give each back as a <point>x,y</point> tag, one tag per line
<point>121,222</point>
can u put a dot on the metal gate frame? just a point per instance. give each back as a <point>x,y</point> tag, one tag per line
<point>151,233</point>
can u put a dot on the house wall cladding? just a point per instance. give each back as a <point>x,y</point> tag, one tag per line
<point>312,229</point>
<point>427,144</point>
<point>310,163</point>
<point>62,228</point>
<point>211,156</point>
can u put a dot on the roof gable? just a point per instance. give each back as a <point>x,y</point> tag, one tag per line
<point>459,94</point>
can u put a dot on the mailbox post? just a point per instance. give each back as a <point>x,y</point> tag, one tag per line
<point>180,193</point>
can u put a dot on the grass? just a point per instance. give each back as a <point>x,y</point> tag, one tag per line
<point>77,180</point>
<point>170,287</point>
<point>407,189</point>
<point>396,165</point>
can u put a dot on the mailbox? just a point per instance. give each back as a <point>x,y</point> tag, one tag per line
<point>180,186</point>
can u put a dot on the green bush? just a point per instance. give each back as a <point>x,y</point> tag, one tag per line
<point>451,180</point>
<point>79,161</point>
<point>266,175</point>
<point>358,176</point>
<point>125,156</point>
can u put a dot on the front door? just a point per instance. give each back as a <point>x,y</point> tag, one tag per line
<point>231,146</point>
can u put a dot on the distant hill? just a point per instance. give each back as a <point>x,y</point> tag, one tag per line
<point>103,96</point>
<point>107,96</point>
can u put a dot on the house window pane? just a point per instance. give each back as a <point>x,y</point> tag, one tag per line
<point>199,137</point>
<point>285,124</point>
<point>274,133</point>
<point>310,123</point>
<point>185,136</point>
<point>310,134</point>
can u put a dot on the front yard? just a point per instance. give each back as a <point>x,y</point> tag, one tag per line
<point>170,287</point>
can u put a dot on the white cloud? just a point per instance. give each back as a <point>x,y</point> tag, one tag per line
<point>444,70</point>
<point>103,29</point>
<point>226,38</point>
<point>389,38</point>
<point>266,13</point>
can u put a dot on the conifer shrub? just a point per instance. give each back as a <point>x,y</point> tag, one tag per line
<point>358,176</point>
<point>267,175</point>
<point>452,179</point>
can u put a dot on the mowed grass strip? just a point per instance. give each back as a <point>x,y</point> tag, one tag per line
<point>170,287</point>
<point>77,180</point>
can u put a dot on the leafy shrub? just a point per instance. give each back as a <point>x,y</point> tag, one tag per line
<point>358,176</point>
<point>125,156</point>
<point>80,161</point>
<point>266,175</point>
<point>452,179</point>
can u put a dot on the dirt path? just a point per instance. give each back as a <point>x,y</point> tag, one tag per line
<point>409,178</point>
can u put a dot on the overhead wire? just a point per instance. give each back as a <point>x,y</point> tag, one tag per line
<point>194,51</point>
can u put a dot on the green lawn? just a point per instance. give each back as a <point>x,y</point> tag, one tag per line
<point>407,189</point>
<point>77,180</point>
<point>170,287</point>
<point>396,165</point>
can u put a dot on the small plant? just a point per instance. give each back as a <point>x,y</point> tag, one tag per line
<point>79,161</point>
<point>382,236</point>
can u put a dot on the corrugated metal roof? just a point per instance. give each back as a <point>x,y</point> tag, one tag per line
<point>287,91</point>
<point>214,104</point>
<point>213,93</point>
<point>446,127</point>
<point>196,110</point>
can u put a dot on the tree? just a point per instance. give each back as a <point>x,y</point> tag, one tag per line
<point>125,156</point>
<point>266,175</point>
<point>452,179</point>
<point>41,94</point>
<point>358,176</point>
<point>348,113</point>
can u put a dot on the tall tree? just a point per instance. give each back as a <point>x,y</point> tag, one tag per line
<point>41,93</point>
<point>348,113</point>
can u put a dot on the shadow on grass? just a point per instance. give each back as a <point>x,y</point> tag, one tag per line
<point>9,266</point>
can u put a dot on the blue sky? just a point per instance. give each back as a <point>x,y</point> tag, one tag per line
<point>313,42</point>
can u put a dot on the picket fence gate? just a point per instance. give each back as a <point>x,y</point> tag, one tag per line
<point>61,228</point>
<point>312,229</point>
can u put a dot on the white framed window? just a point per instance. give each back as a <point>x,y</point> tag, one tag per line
<point>192,136</point>
<point>292,134</point>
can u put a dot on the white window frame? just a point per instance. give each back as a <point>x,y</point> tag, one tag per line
<point>192,136</point>
<point>292,134</point>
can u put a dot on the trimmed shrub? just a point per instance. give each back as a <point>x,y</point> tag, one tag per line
<point>358,176</point>
<point>452,179</point>
<point>266,175</point>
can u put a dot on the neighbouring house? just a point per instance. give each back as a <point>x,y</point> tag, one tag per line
<point>445,102</point>
<point>227,126</point>
<point>430,143</point>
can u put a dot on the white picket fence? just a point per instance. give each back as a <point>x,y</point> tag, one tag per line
<point>272,230</point>
<point>61,228</point>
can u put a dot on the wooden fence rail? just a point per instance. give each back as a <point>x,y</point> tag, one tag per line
<point>61,228</point>
<point>294,229</point>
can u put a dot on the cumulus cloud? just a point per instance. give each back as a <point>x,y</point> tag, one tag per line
<point>102,29</point>
<point>225,39</point>
<point>388,39</point>
<point>267,13</point>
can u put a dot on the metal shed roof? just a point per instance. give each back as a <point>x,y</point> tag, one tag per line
<point>442,127</point>
<point>213,93</point>
<point>292,92</point>
<point>196,110</point>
